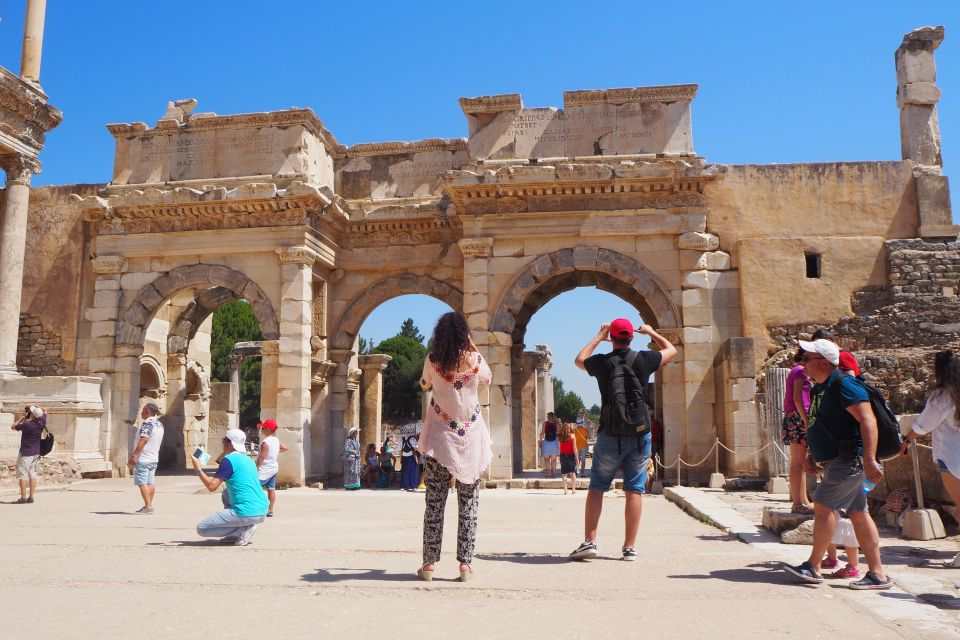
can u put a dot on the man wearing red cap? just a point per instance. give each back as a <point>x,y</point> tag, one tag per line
<point>612,452</point>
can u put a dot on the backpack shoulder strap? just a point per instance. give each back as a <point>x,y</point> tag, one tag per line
<point>631,358</point>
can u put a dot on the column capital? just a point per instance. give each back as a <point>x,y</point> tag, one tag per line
<point>376,361</point>
<point>20,170</point>
<point>297,255</point>
<point>476,247</point>
<point>340,356</point>
<point>235,361</point>
<point>109,264</point>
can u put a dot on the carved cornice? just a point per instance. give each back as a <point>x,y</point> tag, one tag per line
<point>27,104</point>
<point>667,93</point>
<point>491,104</point>
<point>286,118</point>
<point>378,361</point>
<point>476,247</point>
<point>404,231</point>
<point>418,146</point>
<point>181,209</point>
<point>110,264</point>
<point>297,255</point>
<point>20,169</point>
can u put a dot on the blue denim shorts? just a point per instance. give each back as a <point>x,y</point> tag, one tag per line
<point>144,472</point>
<point>269,483</point>
<point>610,454</point>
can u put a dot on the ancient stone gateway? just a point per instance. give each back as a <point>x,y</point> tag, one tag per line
<point>606,192</point>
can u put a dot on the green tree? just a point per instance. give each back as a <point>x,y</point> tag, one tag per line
<point>401,388</point>
<point>236,322</point>
<point>365,346</point>
<point>565,403</point>
<point>410,330</point>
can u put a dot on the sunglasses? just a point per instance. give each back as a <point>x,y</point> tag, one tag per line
<point>807,358</point>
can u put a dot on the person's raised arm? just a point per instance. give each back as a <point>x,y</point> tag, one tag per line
<point>667,351</point>
<point>210,483</point>
<point>591,346</point>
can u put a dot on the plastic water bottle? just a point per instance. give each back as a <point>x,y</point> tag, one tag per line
<point>868,485</point>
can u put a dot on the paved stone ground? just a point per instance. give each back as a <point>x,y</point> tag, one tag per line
<point>341,563</point>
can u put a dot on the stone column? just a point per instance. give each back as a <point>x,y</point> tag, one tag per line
<point>293,366</point>
<point>495,347</point>
<point>175,418</point>
<point>531,403</point>
<point>269,355</point>
<point>124,401</point>
<point>371,397</point>
<point>740,430</point>
<point>233,400</point>
<point>13,237</point>
<point>33,40</point>
<point>339,400</point>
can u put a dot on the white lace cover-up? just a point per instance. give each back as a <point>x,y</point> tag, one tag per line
<point>454,431</point>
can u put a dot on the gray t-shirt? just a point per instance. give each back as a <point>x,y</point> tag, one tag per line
<point>152,429</point>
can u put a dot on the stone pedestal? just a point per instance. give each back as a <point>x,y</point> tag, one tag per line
<point>923,524</point>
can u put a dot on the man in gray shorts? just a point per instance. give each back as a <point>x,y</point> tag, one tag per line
<point>842,441</point>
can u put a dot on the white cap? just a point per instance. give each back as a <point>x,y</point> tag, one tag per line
<point>37,412</point>
<point>829,351</point>
<point>238,439</point>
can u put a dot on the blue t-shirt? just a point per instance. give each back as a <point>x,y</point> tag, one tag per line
<point>833,417</point>
<point>247,498</point>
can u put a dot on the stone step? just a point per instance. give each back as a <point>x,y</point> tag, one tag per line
<point>779,520</point>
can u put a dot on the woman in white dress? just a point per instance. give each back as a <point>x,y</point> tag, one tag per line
<point>455,441</point>
<point>941,416</point>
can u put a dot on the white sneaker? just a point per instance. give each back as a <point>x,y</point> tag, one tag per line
<point>955,563</point>
<point>246,536</point>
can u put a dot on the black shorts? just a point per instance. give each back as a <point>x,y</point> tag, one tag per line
<point>568,463</point>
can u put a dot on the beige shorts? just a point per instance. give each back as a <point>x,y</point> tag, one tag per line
<point>28,467</point>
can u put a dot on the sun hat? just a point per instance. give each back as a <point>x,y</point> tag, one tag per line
<point>238,439</point>
<point>37,412</point>
<point>827,349</point>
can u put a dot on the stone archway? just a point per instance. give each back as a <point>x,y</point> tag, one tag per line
<point>364,303</point>
<point>134,320</point>
<point>557,272</point>
<point>554,273</point>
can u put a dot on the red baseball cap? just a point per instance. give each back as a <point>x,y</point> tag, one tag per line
<point>848,363</point>
<point>269,423</point>
<point>621,328</point>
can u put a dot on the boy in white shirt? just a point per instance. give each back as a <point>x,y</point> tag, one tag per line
<point>267,465</point>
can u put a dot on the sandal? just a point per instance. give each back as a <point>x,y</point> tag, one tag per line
<point>802,510</point>
<point>425,574</point>
<point>466,575</point>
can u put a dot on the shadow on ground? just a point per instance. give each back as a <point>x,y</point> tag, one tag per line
<point>524,558</point>
<point>767,572</point>
<point>344,574</point>
<point>943,601</point>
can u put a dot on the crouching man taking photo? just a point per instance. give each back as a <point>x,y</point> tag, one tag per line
<point>248,502</point>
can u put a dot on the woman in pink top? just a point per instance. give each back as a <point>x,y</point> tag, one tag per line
<point>796,405</point>
<point>455,441</point>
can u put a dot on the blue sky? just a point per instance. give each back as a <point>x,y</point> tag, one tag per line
<point>779,82</point>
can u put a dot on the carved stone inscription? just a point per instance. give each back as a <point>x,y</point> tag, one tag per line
<point>214,153</point>
<point>586,130</point>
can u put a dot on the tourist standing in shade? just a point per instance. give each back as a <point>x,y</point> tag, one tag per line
<point>549,445</point>
<point>568,457</point>
<point>455,441</point>
<point>31,427</point>
<point>796,408</point>
<point>351,459</point>
<point>941,416</point>
<point>146,456</point>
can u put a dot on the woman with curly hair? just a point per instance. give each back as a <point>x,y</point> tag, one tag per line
<point>455,441</point>
<point>941,416</point>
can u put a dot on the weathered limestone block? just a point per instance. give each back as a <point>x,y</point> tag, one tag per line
<point>698,241</point>
<point>803,534</point>
<point>711,280</point>
<point>779,520</point>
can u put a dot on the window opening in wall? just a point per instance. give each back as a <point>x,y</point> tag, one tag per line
<point>813,264</point>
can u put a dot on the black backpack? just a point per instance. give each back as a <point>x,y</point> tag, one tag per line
<point>626,410</point>
<point>46,443</point>
<point>407,447</point>
<point>889,439</point>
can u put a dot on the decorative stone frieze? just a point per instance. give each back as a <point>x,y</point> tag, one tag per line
<point>109,264</point>
<point>297,255</point>
<point>476,247</point>
<point>696,241</point>
<point>668,93</point>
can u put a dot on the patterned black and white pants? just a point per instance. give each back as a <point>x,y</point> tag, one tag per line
<point>437,479</point>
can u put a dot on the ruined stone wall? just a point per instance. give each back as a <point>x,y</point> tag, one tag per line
<point>53,471</point>
<point>897,330</point>
<point>39,352</point>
